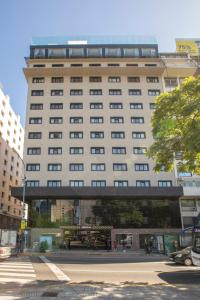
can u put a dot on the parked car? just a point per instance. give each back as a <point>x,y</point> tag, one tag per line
<point>182,257</point>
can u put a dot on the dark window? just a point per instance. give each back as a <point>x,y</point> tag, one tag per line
<point>139,150</point>
<point>152,105</point>
<point>76,79</point>
<point>76,92</point>
<point>76,183</point>
<point>57,79</point>
<point>38,80</point>
<point>118,150</point>
<point>56,92</point>
<point>164,183</point>
<point>134,92</point>
<point>136,106</point>
<point>98,167</point>
<point>36,106</point>
<point>33,167</point>
<point>137,120</point>
<point>76,135</point>
<point>153,92</point>
<point>98,183</point>
<point>116,120</point>
<point>132,65</point>
<point>97,105</point>
<point>56,105</point>
<point>33,151</point>
<point>32,183</point>
<point>95,92</point>
<point>143,183</point>
<point>54,167</point>
<point>115,92</point>
<point>141,167</point>
<point>76,65</point>
<point>76,167</point>
<point>120,167</point>
<point>151,65</point>
<point>34,135</point>
<point>114,79</point>
<point>37,93</point>
<point>39,66</point>
<point>95,79</point>
<point>96,120</point>
<point>133,79</point>
<point>121,183</point>
<point>116,105</point>
<point>56,120</point>
<point>76,105</point>
<point>117,135</point>
<point>76,120</point>
<point>35,120</point>
<point>152,79</point>
<point>113,65</point>
<point>54,150</point>
<point>57,65</point>
<point>138,135</point>
<point>97,135</point>
<point>54,183</point>
<point>76,150</point>
<point>55,135</point>
<point>97,150</point>
<point>94,65</point>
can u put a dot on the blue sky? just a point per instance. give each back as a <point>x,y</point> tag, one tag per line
<point>22,19</point>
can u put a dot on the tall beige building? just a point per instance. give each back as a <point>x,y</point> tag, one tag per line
<point>88,126</point>
<point>11,166</point>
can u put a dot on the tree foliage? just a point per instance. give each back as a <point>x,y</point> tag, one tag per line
<point>176,128</point>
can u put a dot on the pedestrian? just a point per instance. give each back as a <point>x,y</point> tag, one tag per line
<point>69,244</point>
<point>115,245</point>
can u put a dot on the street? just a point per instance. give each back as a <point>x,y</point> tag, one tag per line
<point>97,276</point>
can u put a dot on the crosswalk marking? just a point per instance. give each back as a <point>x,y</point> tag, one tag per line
<point>16,271</point>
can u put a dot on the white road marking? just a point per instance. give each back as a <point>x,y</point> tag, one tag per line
<point>17,270</point>
<point>16,274</point>
<point>14,266</point>
<point>18,280</point>
<point>57,272</point>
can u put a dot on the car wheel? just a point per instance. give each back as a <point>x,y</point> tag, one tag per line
<point>188,262</point>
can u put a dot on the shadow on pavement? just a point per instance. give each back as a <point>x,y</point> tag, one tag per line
<point>185,277</point>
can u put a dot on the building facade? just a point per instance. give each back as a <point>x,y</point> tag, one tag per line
<point>88,127</point>
<point>11,166</point>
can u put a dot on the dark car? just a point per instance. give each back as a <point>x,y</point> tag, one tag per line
<point>182,257</point>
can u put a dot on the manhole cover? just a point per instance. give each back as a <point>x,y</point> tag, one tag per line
<point>49,294</point>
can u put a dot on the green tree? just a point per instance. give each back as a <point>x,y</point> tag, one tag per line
<point>176,128</point>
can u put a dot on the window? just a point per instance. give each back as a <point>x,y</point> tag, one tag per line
<point>98,167</point>
<point>76,167</point>
<point>96,120</point>
<point>56,120</point>
<point>164,183</point>
<point>57,52</point>
<point>76,52</point>
<point>96,105</point>
<point>116,120</point>
<point>39,66</point>
<point>118,135</point>
<point>76,105</point>
<point>94,65</point>
<point>136,106</point>
<point>55,135</point>
<point>98,183</point>
<point>32,183</point>
<point>113,65</point>
<point>95,92</point>
<point>131,52</point>
<point>57,65</point>
<point>134,92</point>
<point>54,183</point>
<point>97,150</point>
<point>97,135</point>
<point>139,150</point>
<point>116,52</point>
<point>76,183</point>
<point>152,105</point>
<point>132,65</point>
<point>137,120</point>
<point>54,150</point>
<point>118,150</point>
<point>39,52</point>
<point>114,79</point>
<point>138,135</point>
<point>148,52</point>
<point>38,80</point>
<point>57,79</point>
<point>35,135</point>
<point>56,92</point>
<point>153,92</point>
<point>76,150</point>
<point>151,65</point>
<point>171,82</point>
<point>76,65</point>
<point>95,79</point>
<point>116,105</point>
<point>94,52</point>
<point>76,135</point>
<point>54,167</point>
<point>33,167</point>
<point>76,120</point>
<point>152,79</point>
<point>141,167</point>
<point>120,167</point>
<point>143,183</point>
<point>36,106</point>
<point>37,93</point>
<point>35,120</point>
<point>76,92</point>
<point>115,92</point>
<point>120,183</point>
<point>34,151</point>
<point>133,79</point>
<point>76,79</point>
<point>56,105</point>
